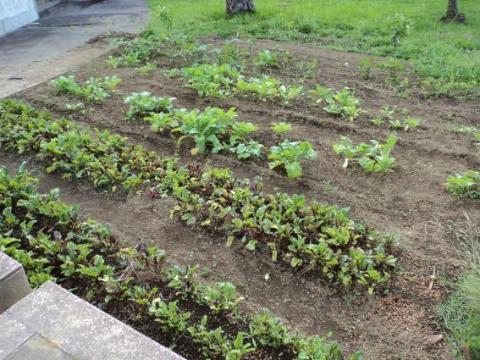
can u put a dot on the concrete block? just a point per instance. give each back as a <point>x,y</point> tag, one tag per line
<point>77,328</point>
<point>13,282</point>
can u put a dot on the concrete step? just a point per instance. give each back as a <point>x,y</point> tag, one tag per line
<point>51,323</point>
<point>13,282</point>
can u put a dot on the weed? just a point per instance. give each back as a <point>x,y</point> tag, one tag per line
<point>393,67</point>
<point>365,68</point>
<point>465,185</point>
<point>400,26</point>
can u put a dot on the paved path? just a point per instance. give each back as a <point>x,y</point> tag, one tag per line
<point>59,41</point>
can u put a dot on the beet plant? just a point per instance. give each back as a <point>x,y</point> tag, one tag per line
<point>313,237</point>
<point>93,90</point>
<point>52,241</point>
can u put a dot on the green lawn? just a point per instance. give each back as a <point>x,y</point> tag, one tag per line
<point>447,52</point>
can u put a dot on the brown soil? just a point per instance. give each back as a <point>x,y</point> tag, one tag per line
<point>410,201</point>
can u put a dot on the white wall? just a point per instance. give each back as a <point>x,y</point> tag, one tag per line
<point>15,14</point>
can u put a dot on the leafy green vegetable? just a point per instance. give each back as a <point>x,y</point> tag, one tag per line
<point>373,158</point>
<point>288,155</point>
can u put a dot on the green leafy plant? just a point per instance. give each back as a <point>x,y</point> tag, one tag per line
<point>222,297</point>
<point>147,69</point>
<point>247,150</point>
<point>94,90</point>
<point>144,103</point>
<point>373,158</point>
<point>236,209</point>
<point>400,26</point>
<point>52,242</point>
<point>266,88</point>
<point>344,104</point>
<point>288,155</point>
<point>407,124</point>
<point>393,67</point>
<point>160,122</point>
<point>465,185</point>
<point>240,130</point>
<point>206,128</point>
<point>365,68</point>
<point>266,59</point>
<point>212,80</point>
<point>281,128</point>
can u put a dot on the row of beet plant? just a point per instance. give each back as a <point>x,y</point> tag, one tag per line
<point>214,130</point>
<point>315,237</point>
<point>51,240</point>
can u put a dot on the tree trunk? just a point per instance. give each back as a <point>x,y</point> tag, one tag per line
<point>452,13</point>
<point>452,10</point>
<point>238,6</point>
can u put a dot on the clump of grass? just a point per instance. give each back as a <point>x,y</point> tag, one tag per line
<point>461,314</point>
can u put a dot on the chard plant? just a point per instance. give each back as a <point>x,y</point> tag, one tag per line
<point>344,104</point>
<point>268,59</point>
<point>289,154</point>
<point>373,158</point>
<point>268,88</point>
<point>144,103</point>
<point>212,80</point>
<point>240,131</point>
<point>281,128</point>
<point>206,128</point>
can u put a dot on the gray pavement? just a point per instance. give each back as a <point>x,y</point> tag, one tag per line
<point>61,39</point>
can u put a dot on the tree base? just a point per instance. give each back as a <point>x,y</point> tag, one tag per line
<point>459,19</point>
<point>240,6</point>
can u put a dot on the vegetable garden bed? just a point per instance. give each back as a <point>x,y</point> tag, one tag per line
<point>312,264</point>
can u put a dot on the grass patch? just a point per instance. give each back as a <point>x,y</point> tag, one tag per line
<point>447,54</point>
<point>461,313</point>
